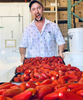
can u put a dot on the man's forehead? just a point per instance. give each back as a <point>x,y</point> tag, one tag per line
<point>35,5</point>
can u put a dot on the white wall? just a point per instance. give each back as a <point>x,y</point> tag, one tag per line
<point>14,17</point>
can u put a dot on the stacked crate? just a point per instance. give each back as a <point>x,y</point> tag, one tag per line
<point>49,7</point>
<point>63,28</point>
<point>63,17</point>
<point>79,12</point>
<point>62,3</point>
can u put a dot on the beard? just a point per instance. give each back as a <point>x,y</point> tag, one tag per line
<point>40,19</point>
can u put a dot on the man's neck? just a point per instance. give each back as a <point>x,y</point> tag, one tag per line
<point>40,24</point>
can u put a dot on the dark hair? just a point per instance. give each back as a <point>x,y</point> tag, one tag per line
<point>34,1</point>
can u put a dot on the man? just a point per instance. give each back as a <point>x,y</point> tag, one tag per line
<point>41,36</point>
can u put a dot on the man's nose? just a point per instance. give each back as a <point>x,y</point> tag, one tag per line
<point>36,11</point>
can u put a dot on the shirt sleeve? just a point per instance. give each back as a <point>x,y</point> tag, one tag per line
<point>24,40</point>
<point>58,36</point>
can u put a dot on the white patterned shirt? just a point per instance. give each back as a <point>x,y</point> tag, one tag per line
<point>42,44</point>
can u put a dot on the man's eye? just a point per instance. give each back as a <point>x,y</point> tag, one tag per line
<point>38,7</point>
<point>33,9</point>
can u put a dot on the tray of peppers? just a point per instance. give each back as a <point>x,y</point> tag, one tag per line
<point>44,79</point>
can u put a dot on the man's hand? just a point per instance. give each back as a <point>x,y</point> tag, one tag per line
<point>22,58</point>
<point>22,53</point>
<point>61,48</point>
<point>61,55</point>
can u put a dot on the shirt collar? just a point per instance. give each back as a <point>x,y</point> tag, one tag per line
<point>46,22</point>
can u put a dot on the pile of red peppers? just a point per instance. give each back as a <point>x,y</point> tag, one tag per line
<point>44,79</point>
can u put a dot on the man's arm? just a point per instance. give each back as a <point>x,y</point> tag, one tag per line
<point>22,53</point>
<point>61,49</point>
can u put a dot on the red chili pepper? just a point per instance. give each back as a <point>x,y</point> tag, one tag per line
<point>60,73</point>
<point>34,80</point>
<point>51,96</point>
<point>7,86</point>
<point>67,95</point>
<point>26,95</point>
<point>2,97</point>
<point>58,86</point>
<point>14,87</point>
<point>80,92</point>
<point>2,91</point>
<point>75,85</point>
<point>61,81</point>
<point>19,75</point>
<point>16,79</point>
<point>20,69</point>
<point>31,75</point>
<point>45,75</point>
<point>43,62</point>
<point>71,74</point>
<point>81,80</point>
<point>23,86</point>
<point>39,87</point>
<point>48,67</point>
<point>76,89</point>
<point>82,73</point>
<point>42,78</point>
<point>28,71</point>
<point>73,80</point>
<point>37,83</point>
<point>30,85</point>
<point>37,75</point>
<point>8,98</point>
<point>47,85</point>
<point>74,68</point>
<point>51,85</point>
<point>26,65</point>
<point>32,90</point>
<point>35,70</point>
<point>26,78</point>
<point>55,82</point>
<point>12,92</point>
<point>53,73</point>
<point>47,81</point>
<point>79,74</point>
<point>65,78</point>
<point>53,78</point>
<point>69,83</point>
<point>61,89</point>
<point>22,79</point>
<point>43,91</point>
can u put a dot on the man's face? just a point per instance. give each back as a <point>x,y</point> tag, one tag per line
<point>37,11</point>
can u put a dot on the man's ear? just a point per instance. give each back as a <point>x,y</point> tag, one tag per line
<point>30,11</point>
